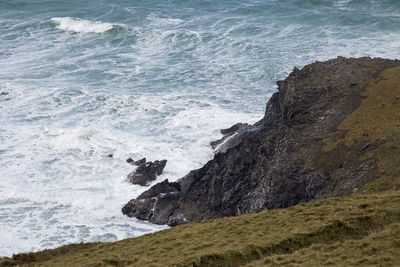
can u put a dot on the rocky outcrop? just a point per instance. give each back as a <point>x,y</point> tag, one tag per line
<point>136,162</point>
<point>298,152</point>
<point>231,137</point>
<point>146,171</point>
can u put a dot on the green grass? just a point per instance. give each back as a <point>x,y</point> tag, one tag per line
<point>379,248</point>
<point>334,229</point>
<point>376,123</point>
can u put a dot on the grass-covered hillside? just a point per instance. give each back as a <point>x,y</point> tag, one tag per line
<point>361,229</point>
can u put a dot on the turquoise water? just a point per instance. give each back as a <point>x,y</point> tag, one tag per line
<point>80,80</point>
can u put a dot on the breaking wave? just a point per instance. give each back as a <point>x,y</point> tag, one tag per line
<point>84,26</point>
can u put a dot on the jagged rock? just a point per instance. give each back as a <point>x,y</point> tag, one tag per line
<point>293,155</point>
<point>228,132</point>
<point>234,128</point>
<point>164,191</point>
<point>136,162</point>
<point>231,137</point>
<point>146,171</point>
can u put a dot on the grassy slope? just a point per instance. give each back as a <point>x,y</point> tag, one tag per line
<point>380,248</point>
<point>360,229</point>
<point>296,234</point>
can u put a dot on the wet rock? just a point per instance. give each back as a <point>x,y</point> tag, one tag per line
<point>228,132</point>
<point>231,137</point>
<point>146,171</point>
<point>136,162</point>
<point>285,158</point>
<point>144,207</point>
<point>234,128</point>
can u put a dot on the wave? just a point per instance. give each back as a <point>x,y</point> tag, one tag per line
<point>159,21</point>
<point>84,26</point>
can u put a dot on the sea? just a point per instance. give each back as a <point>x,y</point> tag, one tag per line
<point>83,80</point>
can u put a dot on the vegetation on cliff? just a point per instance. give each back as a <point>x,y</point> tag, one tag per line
<point>362,228</point>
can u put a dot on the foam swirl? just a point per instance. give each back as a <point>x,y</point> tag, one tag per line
<point>82,25</point>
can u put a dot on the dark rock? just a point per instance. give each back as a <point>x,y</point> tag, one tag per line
<point>146,171</point>
<point>281,160</point>
<point>142,208</point>
<point>231,137</point>
<point>136,162</point>
<point>110,155</point>
<point>234,128</point>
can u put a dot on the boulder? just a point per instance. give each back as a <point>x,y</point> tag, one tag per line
<point>146,171</point>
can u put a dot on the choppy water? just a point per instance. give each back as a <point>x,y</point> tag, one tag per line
<point>83,79</point>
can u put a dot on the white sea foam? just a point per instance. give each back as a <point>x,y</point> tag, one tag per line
<point>72,191</point>
<point>162,21</point>
<point>82,25</point>
<point>341,3</point>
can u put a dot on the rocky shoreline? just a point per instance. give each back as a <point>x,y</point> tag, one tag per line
<point>296,153</point>
<point>332,129</point>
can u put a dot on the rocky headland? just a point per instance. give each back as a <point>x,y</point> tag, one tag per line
<point>331,128</point>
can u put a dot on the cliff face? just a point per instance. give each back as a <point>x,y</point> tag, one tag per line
<point>313,142</point>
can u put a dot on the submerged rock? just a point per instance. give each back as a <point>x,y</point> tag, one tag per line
<point>136,162</point>
<point>146,171</point>
<point>303,149</point>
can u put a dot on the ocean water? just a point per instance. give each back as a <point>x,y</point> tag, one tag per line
<point>80,80</point>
